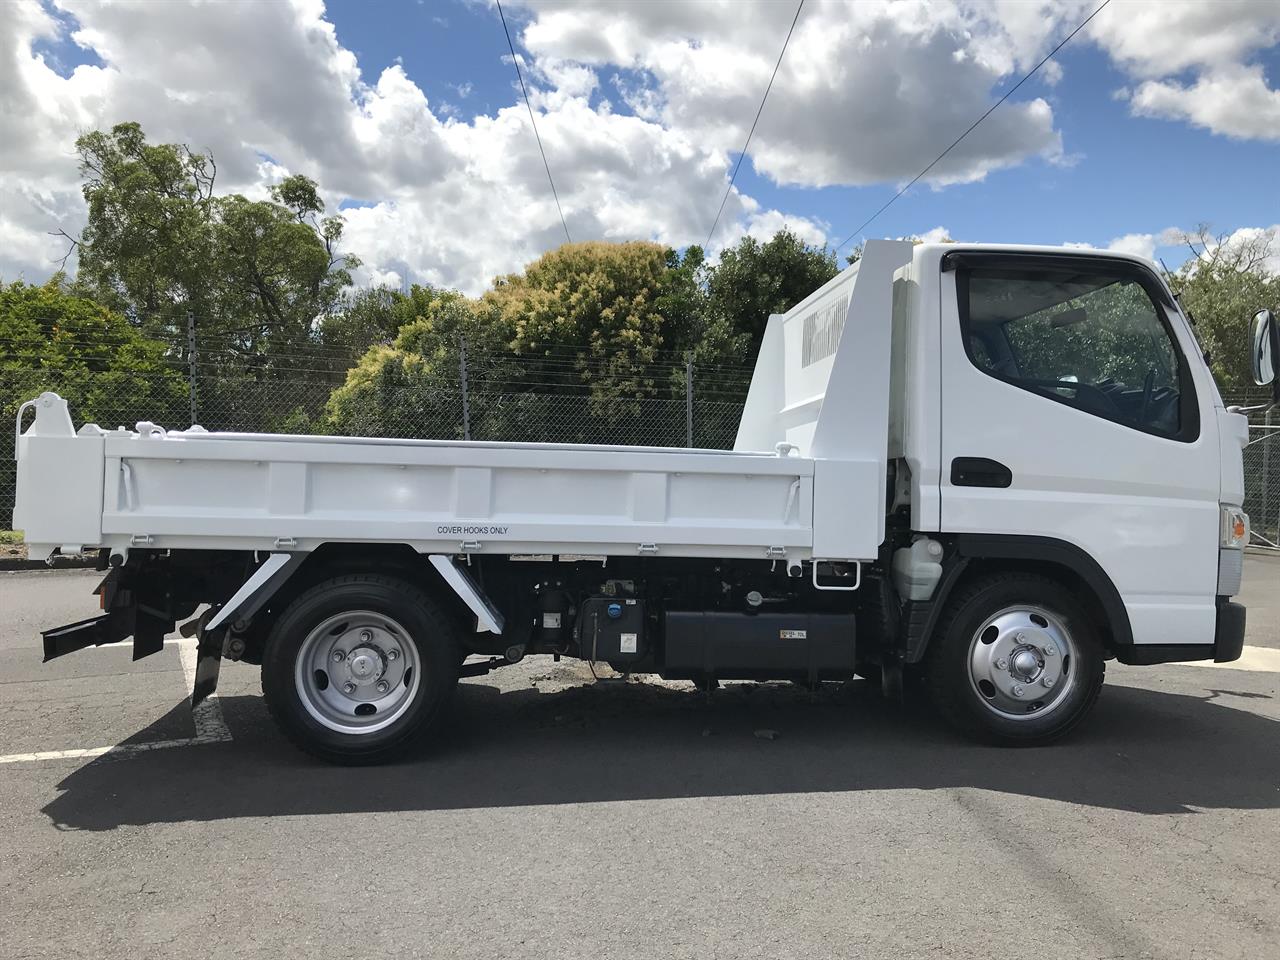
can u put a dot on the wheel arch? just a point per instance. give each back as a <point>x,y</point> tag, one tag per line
<point>398,560</point>
<point>977,555</point>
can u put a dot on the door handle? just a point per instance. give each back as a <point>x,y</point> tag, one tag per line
<point>979,472</point>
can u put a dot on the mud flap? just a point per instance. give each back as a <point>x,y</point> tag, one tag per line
<point>147,627</point>
<point>208,659</point>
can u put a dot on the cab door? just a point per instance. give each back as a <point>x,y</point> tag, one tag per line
<point>1075,408</point>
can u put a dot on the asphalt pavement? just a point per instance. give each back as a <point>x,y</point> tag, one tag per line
<point>562,818</point>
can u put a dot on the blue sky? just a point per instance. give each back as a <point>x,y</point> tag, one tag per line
<point>1127,174</point>
<point>1160,116</point>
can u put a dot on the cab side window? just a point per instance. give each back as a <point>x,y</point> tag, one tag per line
<point>1089,338</point>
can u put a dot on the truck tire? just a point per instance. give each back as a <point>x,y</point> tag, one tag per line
<point>356,669</point>
<point>1015,660</point>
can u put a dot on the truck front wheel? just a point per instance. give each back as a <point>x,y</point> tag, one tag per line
<point>358,667</point>
<point>1015,660</point>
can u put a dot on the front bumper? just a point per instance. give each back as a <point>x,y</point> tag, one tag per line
<point>1228,642</point>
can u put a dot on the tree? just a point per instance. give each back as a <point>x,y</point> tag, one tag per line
<point>574,347</point>
<point>370,317</point>
<point>587,313</point>
<point>411,387</point>
<point>1224,283</point>
<point>147,241</point>
<point>581,321</point>
<point>274,274</point>
<point>752,281</point>
<point>257,275</point>
<point>56,339</point>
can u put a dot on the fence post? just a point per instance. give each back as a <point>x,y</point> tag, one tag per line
<point>1266,473</point>
<point>466,400</point>
<point>688,400</point>
<point>191,363</point>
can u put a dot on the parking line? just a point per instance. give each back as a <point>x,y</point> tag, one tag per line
<point>1261,659</point>
<point>211,726</point>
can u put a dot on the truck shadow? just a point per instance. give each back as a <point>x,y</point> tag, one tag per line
<point>1142,750</point>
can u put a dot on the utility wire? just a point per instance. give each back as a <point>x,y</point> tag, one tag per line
<point>973,126</point>
<point>743,153</point>
<point>520,76</point>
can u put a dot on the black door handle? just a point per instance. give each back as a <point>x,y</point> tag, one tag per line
<point>979,472</point>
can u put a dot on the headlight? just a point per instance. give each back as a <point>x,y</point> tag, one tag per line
<point>1235,528</point>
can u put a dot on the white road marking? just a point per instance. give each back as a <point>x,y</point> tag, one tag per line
<point>211,726</point>
<point>1261,659</point>
<point>119,750</point>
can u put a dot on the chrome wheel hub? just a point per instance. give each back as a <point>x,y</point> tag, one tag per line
<point>1020,662</point>
<point>365,665</point>
<point>1025,665</point>
<point>357,672</point>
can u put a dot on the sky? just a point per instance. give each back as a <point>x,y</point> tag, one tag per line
<point>1159,116</point>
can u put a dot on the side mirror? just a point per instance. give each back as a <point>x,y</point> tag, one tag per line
<point>1266,351</point>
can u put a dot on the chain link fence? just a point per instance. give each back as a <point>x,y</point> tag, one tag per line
<point>1262,482</point>
<point>690,414</point>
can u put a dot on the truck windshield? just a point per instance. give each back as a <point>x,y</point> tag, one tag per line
<point>1095,341</point>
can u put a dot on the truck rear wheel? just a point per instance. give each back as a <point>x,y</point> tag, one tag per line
<point>1015,660</point>
<point>358,667</point>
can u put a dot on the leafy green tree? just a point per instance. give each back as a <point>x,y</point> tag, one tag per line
<point>587,313</point>
<point>1224,283</point>
<point>91,355</point>
<point>411,387</point>
<point>147,243</point>
<point>370,316</point>
<point>582,319</point>
<point>275,270</point>
<point>257,275</point>
<point>55,339</point>
<point>575,346</point>
<point>752,281</point>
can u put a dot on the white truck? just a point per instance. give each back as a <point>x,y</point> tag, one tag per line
<point>998,466</point>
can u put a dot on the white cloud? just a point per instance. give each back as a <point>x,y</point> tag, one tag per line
<point>1234,101</point>
<point>1263,244</point>
<point>269,89</point>
<point>1137,244</point>
<point>763,225</point>
<point>857,100</point>
<point>935,235</point>
<point>1160,38</point>
<point>1194,62</point>
<point>869,92</point>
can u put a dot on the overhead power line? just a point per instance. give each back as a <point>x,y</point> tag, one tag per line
<point>973,126</point>
<point>520,76</point>
<point>742,153</point>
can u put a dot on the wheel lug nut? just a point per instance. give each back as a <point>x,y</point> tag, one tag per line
<point>348,687</point>
<point>1048,682</point>
<point>393,654</point>
<point>1021,638</point>
<point>383,686</point>
<point>1049,650</point>
<point>1002,664</point>
<point>1017,690</point>
<point>338,656</point>
<point>365,636</point>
